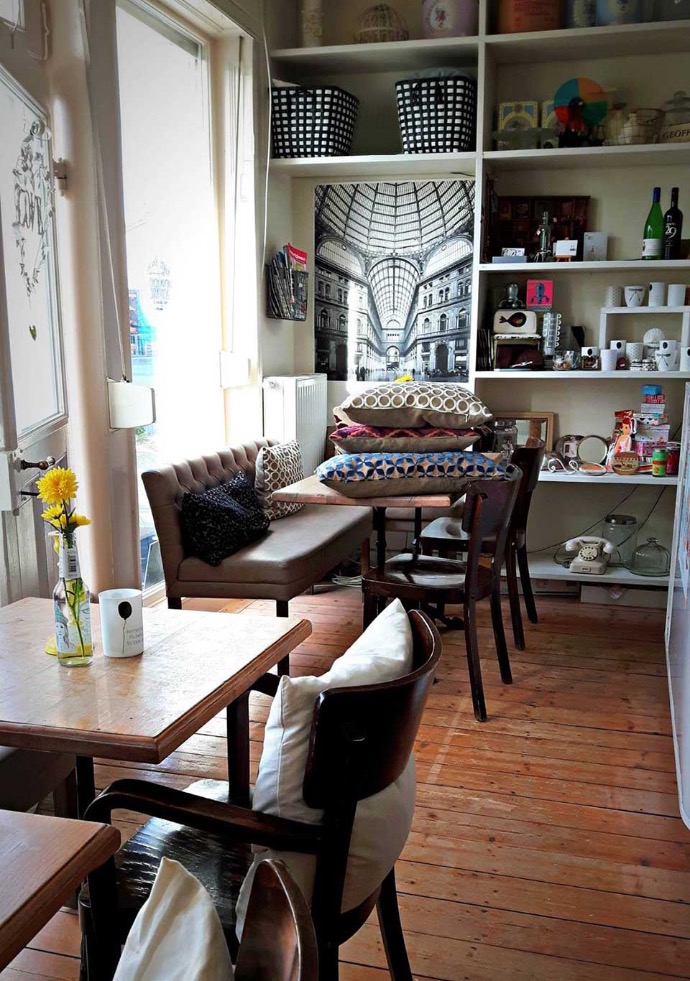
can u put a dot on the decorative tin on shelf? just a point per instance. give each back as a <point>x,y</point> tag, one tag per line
<point>437,115</point>
<point>449,18</point>
<point>518,16</point>
<point>312,122</point>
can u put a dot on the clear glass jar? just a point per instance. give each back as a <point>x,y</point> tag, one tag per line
<point>651,559</point>
<point>505,438</point>
<point>621,531</point>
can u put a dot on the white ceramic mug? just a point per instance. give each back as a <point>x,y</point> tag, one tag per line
<point>122,628</point>
<point>609,360</point>
<point>685,359</point>
<point>614,296</point>
<point>634,295</point>
<point>657,295</point>
<point>590,352</point>
<point>618,346</point>
<point>666,360</point>
<point>676,294</point>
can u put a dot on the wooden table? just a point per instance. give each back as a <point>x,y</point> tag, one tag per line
<point>42,861</point>
<point>137,708</point>
<point>312,491</point>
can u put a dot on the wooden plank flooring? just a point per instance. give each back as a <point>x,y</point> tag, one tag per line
<point>546,845</point>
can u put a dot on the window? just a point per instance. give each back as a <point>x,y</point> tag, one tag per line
<point>426,326</point>
<point>447,293</point>
<point>443,323</point>
<point>319,288</point>
<point>340,296</point>
<point>328,289</point>
<point>342,322</point>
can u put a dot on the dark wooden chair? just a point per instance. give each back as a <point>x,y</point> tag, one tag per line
<point>445,536</point>
<point>432,582</point>
<point>361,741</point>
<point>278,941</point>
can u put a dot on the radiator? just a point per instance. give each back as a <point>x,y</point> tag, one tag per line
<point>295,407</point>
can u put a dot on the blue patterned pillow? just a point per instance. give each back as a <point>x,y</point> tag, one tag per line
<point>397,474</point>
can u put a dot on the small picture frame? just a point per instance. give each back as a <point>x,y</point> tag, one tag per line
<point>513,251</point>
<point>531,425</point>
<point>595,246</point>
<point>565,250</point>
<point>539,294</point>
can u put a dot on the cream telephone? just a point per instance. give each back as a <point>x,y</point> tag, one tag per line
<point>593,554</point>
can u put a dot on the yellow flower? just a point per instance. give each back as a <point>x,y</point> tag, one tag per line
<point>79,520</point>
<point>59,484</point>
<point>53,512</point>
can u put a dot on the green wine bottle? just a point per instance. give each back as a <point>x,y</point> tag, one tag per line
<point>653,240</point>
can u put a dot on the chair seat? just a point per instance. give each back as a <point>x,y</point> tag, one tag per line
<point>428,572</point>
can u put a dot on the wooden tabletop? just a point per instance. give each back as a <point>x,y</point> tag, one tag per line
<point>42,861</point>
<point>312,491</point>
<point>136,708</point>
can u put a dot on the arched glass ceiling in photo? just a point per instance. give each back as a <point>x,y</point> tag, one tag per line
<point>341,256</point>
<point>447,256</point>
<point>406,219</point>
<point>393,282</point>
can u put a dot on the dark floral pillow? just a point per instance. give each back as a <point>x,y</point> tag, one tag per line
<point>240,489</point>
<point>215,524</point>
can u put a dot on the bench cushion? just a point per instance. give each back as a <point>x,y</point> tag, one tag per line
<point>300,547</point>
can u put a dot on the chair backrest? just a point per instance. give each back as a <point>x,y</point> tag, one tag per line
<point>361,741</point>
<point>166,486</point>
<point>487,515</point>
<point>529,459</point>
<point>278,939</point>
<point>362,737</point>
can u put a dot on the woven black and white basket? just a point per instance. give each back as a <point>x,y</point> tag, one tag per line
<point>437,115</point>
<point>312,122</point>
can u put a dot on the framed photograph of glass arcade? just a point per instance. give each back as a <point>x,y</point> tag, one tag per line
<point>393,280</point>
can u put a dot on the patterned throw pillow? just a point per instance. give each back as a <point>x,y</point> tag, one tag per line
<point>277,467</point>
<point>359,438</point>
<point>415,404</point>
<point>398,474</point>
<point>242,491</point>
<point>215,524</point>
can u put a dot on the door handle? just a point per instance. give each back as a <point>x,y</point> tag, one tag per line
<point>41,465</point>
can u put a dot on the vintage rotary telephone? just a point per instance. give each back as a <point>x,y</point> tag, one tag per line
<point>593,555</point>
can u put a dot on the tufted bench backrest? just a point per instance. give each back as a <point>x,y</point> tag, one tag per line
<point>166,486</point>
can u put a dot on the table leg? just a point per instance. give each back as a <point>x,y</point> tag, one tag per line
<point>380,526</point>
<point>238,751</point>
<point>86,784</point>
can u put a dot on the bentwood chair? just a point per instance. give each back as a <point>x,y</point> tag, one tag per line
<point>361,741</point>
<point>445,536</point>
<point>432,582</point>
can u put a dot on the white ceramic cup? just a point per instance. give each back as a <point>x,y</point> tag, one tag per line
<point>609,360</point>
<point>590,352</point>
<point>634,295</point>
<point>122,628</point>
<point>614,296</point>
<point>657,295</point>
<point>668,346</point>
<point>618,346</point>
<point>685,359</point>
<point>676,294</point>
<point>666,360</point>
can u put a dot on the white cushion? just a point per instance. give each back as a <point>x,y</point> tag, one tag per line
<point>382,823</point>
<point>177,935</point>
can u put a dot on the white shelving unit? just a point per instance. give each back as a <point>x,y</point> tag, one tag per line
<point>648,62</point>
<point>543,566</point>
<point>642,479</point>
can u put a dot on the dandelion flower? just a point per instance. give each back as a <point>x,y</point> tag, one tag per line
<point>53,513</point>
<point>58,484</point>
<point>79,520</point>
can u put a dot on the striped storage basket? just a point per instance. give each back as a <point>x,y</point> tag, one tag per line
<point>312,122</point>
<point>437,115</point>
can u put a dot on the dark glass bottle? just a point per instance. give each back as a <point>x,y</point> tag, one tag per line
<point>673,227</point>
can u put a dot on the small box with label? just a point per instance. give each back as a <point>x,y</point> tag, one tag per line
<point>517,118</point>
<point>595,246</point>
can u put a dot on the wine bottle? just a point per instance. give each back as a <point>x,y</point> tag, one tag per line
<point>652,246</point>
<point>673,226</point>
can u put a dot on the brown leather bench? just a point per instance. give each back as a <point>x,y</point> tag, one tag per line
<point>297,551</point>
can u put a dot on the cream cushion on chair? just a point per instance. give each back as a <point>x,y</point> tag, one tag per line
<point>382,823</point>
<point>177,934</point>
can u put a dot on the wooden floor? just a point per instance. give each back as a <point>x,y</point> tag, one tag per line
<point>547,844</point>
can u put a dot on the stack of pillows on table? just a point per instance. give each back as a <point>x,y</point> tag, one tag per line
<point>408,438</point>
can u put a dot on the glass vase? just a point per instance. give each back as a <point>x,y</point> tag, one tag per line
<point>71,609</point>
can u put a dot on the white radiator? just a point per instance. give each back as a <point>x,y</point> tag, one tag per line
<point>296,407</point>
